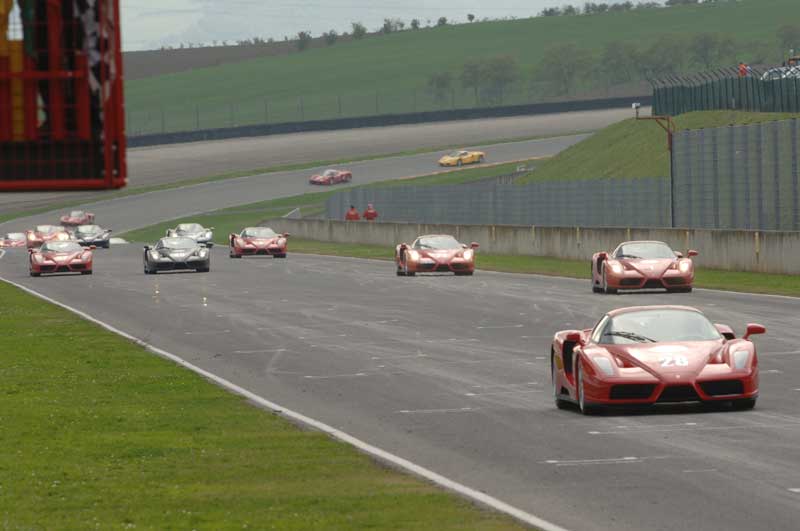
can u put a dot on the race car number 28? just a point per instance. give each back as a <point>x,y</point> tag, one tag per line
<point>673,361</point>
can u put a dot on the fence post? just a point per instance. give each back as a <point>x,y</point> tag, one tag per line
<point>760,177</point>
<point>795,176</point>
<point>746,174</point>
<point>715,174</point>
<point>776,176</point>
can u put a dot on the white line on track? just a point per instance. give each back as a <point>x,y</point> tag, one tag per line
<point>332,376</point>
<point>509,392</point>
<point>796,491</point>
<point>262,351</point>
<point>784,425</point>
<point>423,411</point>
<point>611,461</point>
<point>374,451</point>
<point>2,253</point>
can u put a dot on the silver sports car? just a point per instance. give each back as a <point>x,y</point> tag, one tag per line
<point>87,235</point>
<point>194,231</point>
<point>174,254</point>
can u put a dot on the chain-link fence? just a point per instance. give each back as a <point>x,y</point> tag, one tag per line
<point>598,203</point>
<point>740,177</point>
<point>776,90</point>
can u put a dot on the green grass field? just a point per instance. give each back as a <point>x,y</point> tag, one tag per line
<point>234,219</point>
<point>388,73</point>
<point>99,433</point>
<point>631,148</point>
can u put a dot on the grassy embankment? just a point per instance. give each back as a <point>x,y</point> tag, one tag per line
<point>99,433</point>
<point>361,72</point>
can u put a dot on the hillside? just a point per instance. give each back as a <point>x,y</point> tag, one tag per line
<point>389,73</point>
<point>631,149</point>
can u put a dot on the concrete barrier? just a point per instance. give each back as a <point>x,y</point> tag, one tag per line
<point>732,250</point>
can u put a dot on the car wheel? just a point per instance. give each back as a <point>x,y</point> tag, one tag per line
<point>406,272</point>
<point>463,273</point>
<point>107,245</point>
<point>560,403</point>
<point>606,289</point>
<point>234,255</point>
<point>595,287</point>
<point>35,274</point>
<point>282,255</point>
<point>459,163</point>
<point>744,403</point>
<point>481,159</point>
<point>586,409</point>
<point>86,272</point>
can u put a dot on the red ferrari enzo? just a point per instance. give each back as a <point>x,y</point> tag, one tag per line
<point>435,253</point>
<point>12,239</point>
<point>254,241</point>
<point>329,177</point>
<point>61,257</point>
<point>77,217</point>
<point>46,233</point>
<point>642,265</point>
<point>654,354</point>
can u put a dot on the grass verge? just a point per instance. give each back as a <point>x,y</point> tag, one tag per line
<point>105,435</point>
<point>542,265</point>
<point>233,219</point>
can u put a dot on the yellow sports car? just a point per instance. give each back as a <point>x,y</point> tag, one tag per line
<point>458,158</point>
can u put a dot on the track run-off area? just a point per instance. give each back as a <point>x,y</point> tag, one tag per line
<point>453,373</point>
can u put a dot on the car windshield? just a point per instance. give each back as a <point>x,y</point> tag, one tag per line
<point>655,326</point>
<point>15,236</point>
<point>47,229</point>
<point>88,229</point>
<point>258,232</point>
<point>330,173</point>
<point>190,227</point>
<point>61,247</point>
<point>76,214</point>
<point>437,242</point>
<point>648,250</point>
<point>176,243</point>
<point>455,154</point>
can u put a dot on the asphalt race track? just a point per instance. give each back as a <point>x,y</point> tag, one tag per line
<point>453,374</point>
<point>172,163</point>
<point>137,211</point>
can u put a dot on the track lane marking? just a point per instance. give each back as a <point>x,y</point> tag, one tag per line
<point>428,411</point>
<point>374,451</point>
<point>608,461</point>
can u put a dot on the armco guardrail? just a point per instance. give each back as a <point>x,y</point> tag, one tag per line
<point>381,120</point>
<point>732,250</point>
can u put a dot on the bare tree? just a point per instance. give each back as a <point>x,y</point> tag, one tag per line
<point>303,40</point>
<point>359,30</point>
<point>330,37</point>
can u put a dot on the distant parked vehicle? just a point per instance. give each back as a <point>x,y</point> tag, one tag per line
<point>330,177</point>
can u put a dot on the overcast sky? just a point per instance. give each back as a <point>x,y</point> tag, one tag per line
<point>150,24</point>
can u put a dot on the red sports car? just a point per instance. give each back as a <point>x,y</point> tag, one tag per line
<point>654,354</point>
<point>435,253</point>
<point>61,257</point>
<point>12,239</point>
<point>254,241</point>
<point>642,265</point>
<point>46,233</point>
<point>77,217</point>
<point>329,177</point>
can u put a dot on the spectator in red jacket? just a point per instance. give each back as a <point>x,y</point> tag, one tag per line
<point>352,214</point>
<point>370,214</point>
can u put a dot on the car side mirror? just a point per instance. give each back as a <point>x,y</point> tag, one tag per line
<point>146,247</point>
<point>474,245</point>
<point>725,330</point>
<point>109,230</point>
<point>679,254</point>
<point>92,247</point>
<point>30,251</point>
<point>693,253</point>
<point>574,337</point>
<point>602,255</point>
<point>285,234</point>
<point>211,228</point>
<point>210,245</point>
<point>754,329</point>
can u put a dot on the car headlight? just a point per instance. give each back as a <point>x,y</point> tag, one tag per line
<point>154,255</point>
<point>281,242</point>
<point>202,253</point>
<point>616,267</point>
<point>31,236</point>
<point>468,254</point>
<point>740,359</point>
<point>684,266</point>
<point>604,364</point>
<point>414,255</point>
<point>37,258</point>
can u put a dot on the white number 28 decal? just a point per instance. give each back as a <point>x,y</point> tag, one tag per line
<point>673,361</point>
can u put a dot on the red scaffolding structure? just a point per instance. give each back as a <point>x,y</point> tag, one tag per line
<point>61,95</point>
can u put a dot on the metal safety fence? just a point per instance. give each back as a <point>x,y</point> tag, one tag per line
<point>740,177</point>
<point>599,203</point>
<point>707,92</point>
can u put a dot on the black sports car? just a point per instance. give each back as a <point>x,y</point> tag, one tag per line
<point>194,231</point>
<point>87,235</point>
<point>174,254</point>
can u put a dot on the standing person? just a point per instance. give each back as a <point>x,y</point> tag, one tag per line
<point>370,214</point>
<point>352,214</point>
<point>742,69</point>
